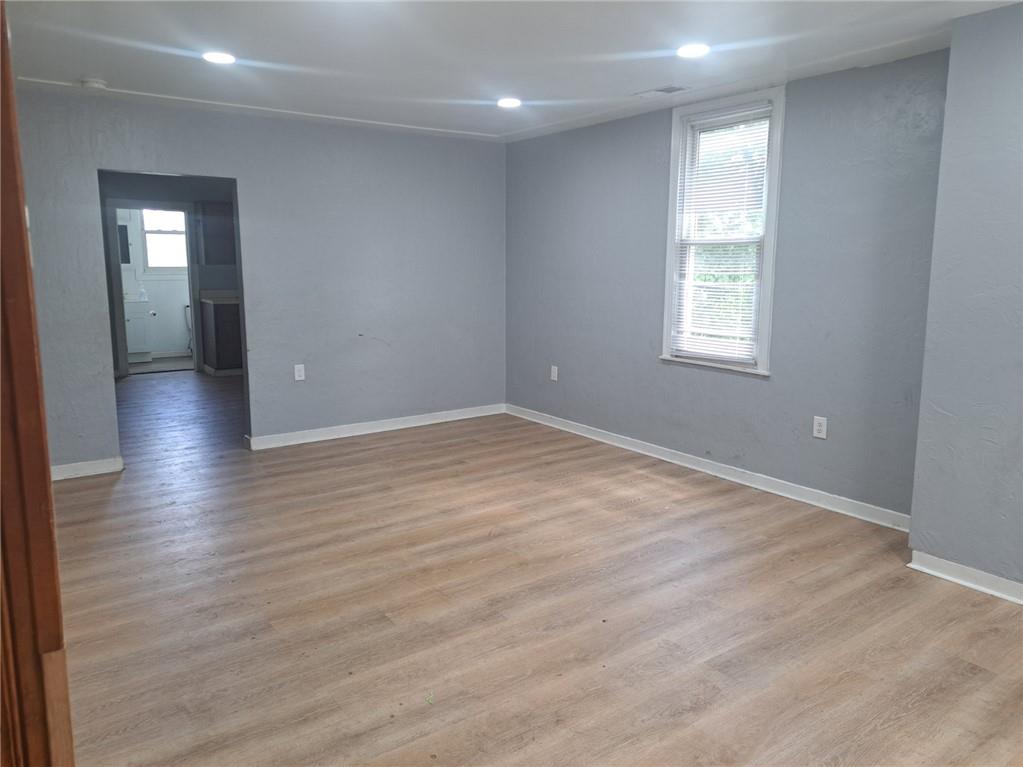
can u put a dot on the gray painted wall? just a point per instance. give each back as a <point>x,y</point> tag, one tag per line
<point>586,227</point>
<point>375,258</point>
<point>968,497</point>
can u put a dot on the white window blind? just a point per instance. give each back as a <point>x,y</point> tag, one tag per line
<point>716,258</point>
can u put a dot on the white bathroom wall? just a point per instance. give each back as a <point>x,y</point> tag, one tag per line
<point>167,294</point>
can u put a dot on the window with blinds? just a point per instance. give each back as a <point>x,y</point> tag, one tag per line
<point>717,297</point>
<point>166,246</point>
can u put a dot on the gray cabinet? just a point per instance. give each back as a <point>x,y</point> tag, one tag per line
<point>221,335</point>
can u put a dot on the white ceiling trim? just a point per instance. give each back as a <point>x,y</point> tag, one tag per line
<point>869,57</point>
<point>272,110</point>
<point>875,56</point>
<point>438,68</point>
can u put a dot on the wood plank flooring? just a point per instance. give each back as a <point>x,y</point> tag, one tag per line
<point>161,365</point>
<point>494,591</point>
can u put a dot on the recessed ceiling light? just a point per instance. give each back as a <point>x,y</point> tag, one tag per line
<point>509,102</point>
<point>693,50</point>
<point>218,57</point>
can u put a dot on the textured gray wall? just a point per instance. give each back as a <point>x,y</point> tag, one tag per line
<point>586,227</point>
<point>968,496</point>
<point>375,258</point>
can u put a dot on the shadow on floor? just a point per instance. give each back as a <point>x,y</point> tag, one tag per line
<point>161,365</point>
<point>179,415</point>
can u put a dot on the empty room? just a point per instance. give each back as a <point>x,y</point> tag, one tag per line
<point>534,383</point>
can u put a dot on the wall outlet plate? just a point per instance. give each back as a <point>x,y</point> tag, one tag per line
<point>820,427</point>
<point>554,372</point>
<point>299,372</point>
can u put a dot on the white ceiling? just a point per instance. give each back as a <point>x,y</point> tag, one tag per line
<point>440,66</point>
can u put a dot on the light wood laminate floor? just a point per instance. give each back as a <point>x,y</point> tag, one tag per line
<point>493,591</point>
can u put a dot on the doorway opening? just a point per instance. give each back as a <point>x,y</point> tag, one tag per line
<point>152,245</point>
<point>176,305</point>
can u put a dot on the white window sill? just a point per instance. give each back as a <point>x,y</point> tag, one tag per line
<point>719,365</point>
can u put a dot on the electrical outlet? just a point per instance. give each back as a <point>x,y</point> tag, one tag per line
<point>299,372</point>
<point>820,427</point>
<point>554,372</point>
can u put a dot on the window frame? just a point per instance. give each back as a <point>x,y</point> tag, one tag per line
<point>685,120</point>
<point>165,271</point>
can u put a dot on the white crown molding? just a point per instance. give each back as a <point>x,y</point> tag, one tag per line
<point>887,53</point>
<point>971,577</point>
<point>86,468</point>
<point>819,498</point>
<point>868,57</point>
<point>234,107</point>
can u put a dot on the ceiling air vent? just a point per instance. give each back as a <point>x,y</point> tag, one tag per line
<point>664,90</point>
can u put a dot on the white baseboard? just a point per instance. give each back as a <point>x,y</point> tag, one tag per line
<point>968,576</point>
<point>86,468</point>
<point>842,505</point>
<point>369,427</point>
